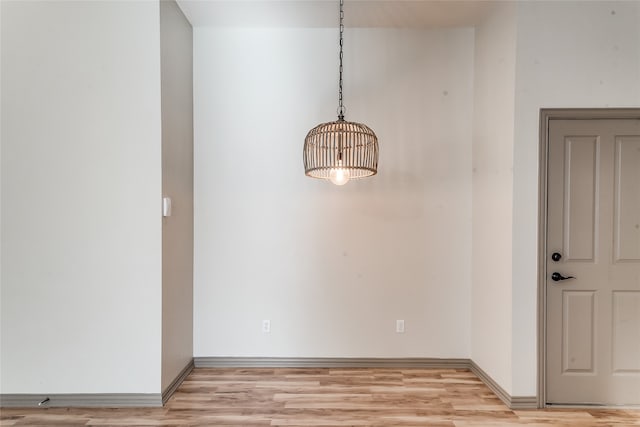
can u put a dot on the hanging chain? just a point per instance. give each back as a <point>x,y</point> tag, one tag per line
<point>341,109</point>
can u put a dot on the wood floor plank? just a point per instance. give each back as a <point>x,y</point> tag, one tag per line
<point>380,397</point>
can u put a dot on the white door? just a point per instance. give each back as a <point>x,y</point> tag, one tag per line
<point>593,319</point>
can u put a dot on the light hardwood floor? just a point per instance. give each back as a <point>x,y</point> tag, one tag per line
<point>326,397</point>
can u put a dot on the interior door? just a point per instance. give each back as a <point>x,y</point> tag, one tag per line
<point>593,262</point>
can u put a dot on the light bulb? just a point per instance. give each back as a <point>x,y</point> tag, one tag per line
<point>339,175</point>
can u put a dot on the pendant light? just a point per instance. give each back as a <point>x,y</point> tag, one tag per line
<point>340,150</point>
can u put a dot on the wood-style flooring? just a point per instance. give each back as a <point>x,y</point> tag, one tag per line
<point>326,397</point>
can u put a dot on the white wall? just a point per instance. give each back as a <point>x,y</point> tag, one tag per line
<point>81,185</point>
<point>332,268</point>
<point>176,42</point>
<point>570,54</point>
<point>495,56</point>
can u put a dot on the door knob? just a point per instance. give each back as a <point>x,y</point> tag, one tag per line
<point>557,277</point>
<point>557,256</point>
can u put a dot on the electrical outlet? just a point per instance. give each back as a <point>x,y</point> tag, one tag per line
<point>399,326</point>
<point>266,326</point>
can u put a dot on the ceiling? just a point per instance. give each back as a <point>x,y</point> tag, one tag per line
<point>324,13</point>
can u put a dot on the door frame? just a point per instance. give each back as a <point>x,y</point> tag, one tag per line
<point>546,115</point>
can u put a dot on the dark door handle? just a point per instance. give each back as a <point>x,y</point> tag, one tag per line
<point>557,277</point>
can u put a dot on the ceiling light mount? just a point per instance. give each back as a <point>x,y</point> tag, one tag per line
<point>340,150</point>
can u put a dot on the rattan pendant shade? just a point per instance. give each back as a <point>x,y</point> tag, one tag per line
<point>350,146</point>
<point>340,150</point>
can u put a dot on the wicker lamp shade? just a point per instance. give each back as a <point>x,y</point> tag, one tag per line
<point>340,150</point>
<point>341,145</point>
